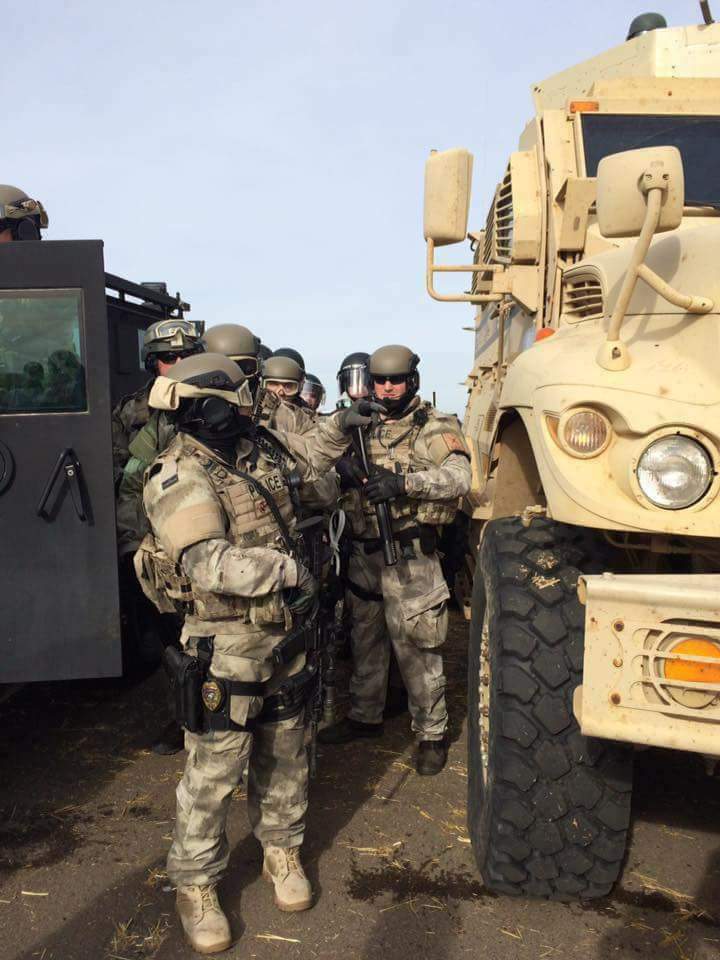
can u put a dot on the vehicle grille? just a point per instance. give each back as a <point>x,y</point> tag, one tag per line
<point>582,299</point>
<point>504,220</point>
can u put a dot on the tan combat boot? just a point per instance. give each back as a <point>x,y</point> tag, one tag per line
<point>206,927</point>
<point>283,869</point>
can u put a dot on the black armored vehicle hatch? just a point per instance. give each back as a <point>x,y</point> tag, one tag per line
<point>70,339</point>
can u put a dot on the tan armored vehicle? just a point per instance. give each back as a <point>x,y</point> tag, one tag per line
<point>594,422</point>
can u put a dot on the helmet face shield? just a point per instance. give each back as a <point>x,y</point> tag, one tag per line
<point>354,381</point>
<point>313,394</point>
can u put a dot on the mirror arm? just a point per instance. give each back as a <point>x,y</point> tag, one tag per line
<point>613,354</point>
<point>433,268</point>
<point>692,304</point>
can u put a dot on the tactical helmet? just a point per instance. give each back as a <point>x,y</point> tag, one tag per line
<point>264,352</point>
<point>352,377</point>
<point>208,372</point>
<point>312,391</point>
<point>172,335</point>
<point>292,354</point>
<point>395,361</point>
<point>644,23</point>
<point>19,213</point>
<point>206,392</point>
<point>281,369</point>
<point>236,342</point>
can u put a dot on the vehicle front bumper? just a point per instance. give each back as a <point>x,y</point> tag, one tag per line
<point>632,623</point>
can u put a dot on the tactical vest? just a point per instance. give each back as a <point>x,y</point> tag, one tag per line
<point>249,522</point>
<point>401,442</point>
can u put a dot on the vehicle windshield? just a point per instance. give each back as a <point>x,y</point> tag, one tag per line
<point>697,139</point>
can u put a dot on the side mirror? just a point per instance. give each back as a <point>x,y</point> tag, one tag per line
<point>448,179</point>
<point>623,181</point>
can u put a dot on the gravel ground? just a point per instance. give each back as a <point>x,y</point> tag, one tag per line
<point>86,812</point>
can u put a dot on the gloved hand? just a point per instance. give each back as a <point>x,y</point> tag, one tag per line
<point>303,598</point>
<point>358,414</point>
<point>384,484</point>
<point>351,473</point>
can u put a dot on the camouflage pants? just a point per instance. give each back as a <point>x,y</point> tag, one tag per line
<point>413,618</point>
<point>274,754</point>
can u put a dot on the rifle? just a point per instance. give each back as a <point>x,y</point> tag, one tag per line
<point>308,637</point>
<point>382,511</point>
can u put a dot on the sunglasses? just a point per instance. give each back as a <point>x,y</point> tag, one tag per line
<point>172,357</point>
<point>395,379</point>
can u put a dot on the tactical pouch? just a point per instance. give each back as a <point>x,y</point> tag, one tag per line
<point>187,675</point>
<point>295,643</point>
<point>161,579</point>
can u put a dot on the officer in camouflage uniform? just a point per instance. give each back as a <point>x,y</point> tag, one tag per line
<point>420,464</point>
<point>164,343</point>
<point>221,514</point>
<point>21,218</point>
<point>282,379</point>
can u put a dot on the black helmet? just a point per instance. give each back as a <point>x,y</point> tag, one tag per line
<point>264,352</point>
<point>395,361</point>
<point>293,354</point>
<point>644,23</point>
<point>312,392</point>
<point>175,336</point>
<point>352,377</point>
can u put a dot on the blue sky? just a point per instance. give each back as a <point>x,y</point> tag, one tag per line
<point>267,159</point>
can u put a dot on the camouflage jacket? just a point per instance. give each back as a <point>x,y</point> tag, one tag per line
<point>430,450</point>
<point>220,530</point>
<point>155,436</point>
<point>128,418</point>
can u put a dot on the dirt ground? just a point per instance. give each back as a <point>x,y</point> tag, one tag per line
<point>87,811</point>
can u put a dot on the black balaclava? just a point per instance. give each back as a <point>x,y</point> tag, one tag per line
<point>214,422</point>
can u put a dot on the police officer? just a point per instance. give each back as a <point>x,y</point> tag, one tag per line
<point>21,218</point>
<point>353,379</point>
<point>164,343</point>
<point>239,344</point>
<point>312,393</point>
<point>281,380</point>
<point>222,526</point>
<point>420,465</point>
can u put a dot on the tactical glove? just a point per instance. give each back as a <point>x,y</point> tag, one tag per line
<point>384,485</point>
<point>302,598</point>
<point>351,473</point>
<point>358,414</point>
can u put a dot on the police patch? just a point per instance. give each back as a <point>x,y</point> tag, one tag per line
<point>454,443</point>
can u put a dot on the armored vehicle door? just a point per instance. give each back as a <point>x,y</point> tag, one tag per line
<point>58,587</point>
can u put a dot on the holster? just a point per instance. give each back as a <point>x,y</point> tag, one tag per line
<point>186,675</point>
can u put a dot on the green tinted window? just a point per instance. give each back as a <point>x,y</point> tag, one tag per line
<point>42,366</point>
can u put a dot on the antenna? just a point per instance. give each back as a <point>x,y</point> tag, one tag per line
<point>707,14</point>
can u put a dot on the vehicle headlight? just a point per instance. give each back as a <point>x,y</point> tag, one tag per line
<point>583,432</point>
<point>674,472</point>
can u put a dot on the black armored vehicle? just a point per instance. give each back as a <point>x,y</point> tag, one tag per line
<point>70,348</point>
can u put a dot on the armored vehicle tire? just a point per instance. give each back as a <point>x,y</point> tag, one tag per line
<point>548,809</point>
